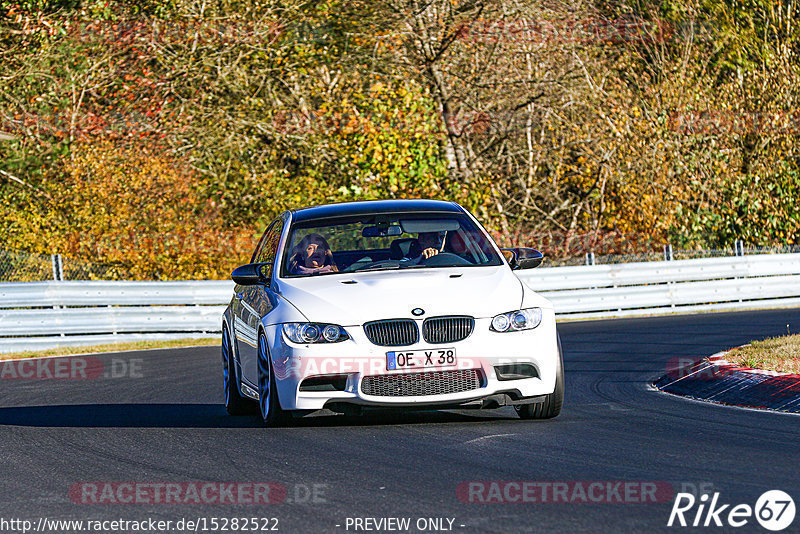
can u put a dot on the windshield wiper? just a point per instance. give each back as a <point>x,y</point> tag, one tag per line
<point>423,266</point>
<point>376,268</point>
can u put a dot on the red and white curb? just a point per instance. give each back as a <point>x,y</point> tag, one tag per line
<point>716,379</point>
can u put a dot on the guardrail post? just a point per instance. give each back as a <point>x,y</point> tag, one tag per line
<point>738,246</point>
<point>114,329</point>
<point>669,257</point>
<point>58,275</point>
<point>590,258</point>
<point>58,267</point>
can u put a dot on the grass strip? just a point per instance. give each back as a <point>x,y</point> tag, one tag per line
<point>780,354</point>
<point>113,347</point>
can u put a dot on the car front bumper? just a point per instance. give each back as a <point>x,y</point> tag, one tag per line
<point>357,360</point>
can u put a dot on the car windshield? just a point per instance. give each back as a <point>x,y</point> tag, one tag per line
<point>386,242</point>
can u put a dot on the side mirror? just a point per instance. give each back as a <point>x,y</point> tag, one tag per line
<point>251,274</point>
<point>523,258</point>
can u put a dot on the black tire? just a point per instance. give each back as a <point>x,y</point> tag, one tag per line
<point>551,406</point>
<point>235,404</point>
<point>271,412</point>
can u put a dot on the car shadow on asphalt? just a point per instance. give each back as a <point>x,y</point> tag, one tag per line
<point>215,416</point>
<point>324,418</point>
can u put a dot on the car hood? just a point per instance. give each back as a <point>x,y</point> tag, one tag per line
<point>355,298</point>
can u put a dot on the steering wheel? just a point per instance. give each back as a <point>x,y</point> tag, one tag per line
<point>445,259</point>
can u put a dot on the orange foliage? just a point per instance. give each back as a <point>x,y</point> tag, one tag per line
<point>143,211</point>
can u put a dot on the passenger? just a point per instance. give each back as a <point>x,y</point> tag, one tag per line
<point>456,244</point>
<point>312,255</point>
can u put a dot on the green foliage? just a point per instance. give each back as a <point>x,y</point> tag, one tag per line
<point>739,35</point>
<point>761,210</point>
<point>37,5</point>
<point>377,144</point>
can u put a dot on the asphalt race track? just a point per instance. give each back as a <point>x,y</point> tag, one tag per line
<point>164,422</point>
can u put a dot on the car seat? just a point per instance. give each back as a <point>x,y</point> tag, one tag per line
<point>404,248</point>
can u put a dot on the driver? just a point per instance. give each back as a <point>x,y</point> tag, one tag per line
<point>312,255</point>
<point>431,243</point>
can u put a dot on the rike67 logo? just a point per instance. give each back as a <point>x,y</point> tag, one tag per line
<point>774,510</point>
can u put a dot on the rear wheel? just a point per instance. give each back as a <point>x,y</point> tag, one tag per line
<point>551,406</point>
<point>234,402</point>
<point>271,411</point>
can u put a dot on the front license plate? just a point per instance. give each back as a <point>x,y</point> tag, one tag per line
<point>420,359</point>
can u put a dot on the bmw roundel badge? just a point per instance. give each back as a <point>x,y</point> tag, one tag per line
<point>417,312</point>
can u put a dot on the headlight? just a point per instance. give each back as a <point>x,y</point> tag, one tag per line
<point>314,333</point>
<point>517,320</point>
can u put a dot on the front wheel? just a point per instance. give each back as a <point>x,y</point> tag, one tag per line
<point>551,406</point>
<point>235,404</point>
<point>271,411</point>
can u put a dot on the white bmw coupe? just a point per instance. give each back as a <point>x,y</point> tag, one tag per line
<point>401,303</point>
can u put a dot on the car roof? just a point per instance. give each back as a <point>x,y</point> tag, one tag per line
<point>368,207</point>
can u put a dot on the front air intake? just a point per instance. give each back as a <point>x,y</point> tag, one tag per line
<point>422,384</point>
<point>392,332</point>
<point>447,329</point>
<point>515,371</point>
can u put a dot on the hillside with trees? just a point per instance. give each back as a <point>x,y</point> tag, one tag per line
<point>161,136</point>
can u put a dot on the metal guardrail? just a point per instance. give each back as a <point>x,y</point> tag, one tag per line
<point>111,293</point>
<point>708,284</point>
<point>40,315</point>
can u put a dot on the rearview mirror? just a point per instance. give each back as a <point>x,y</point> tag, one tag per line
<point>251,274</point>
<point>523,258</point>
<point>381,231</point>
